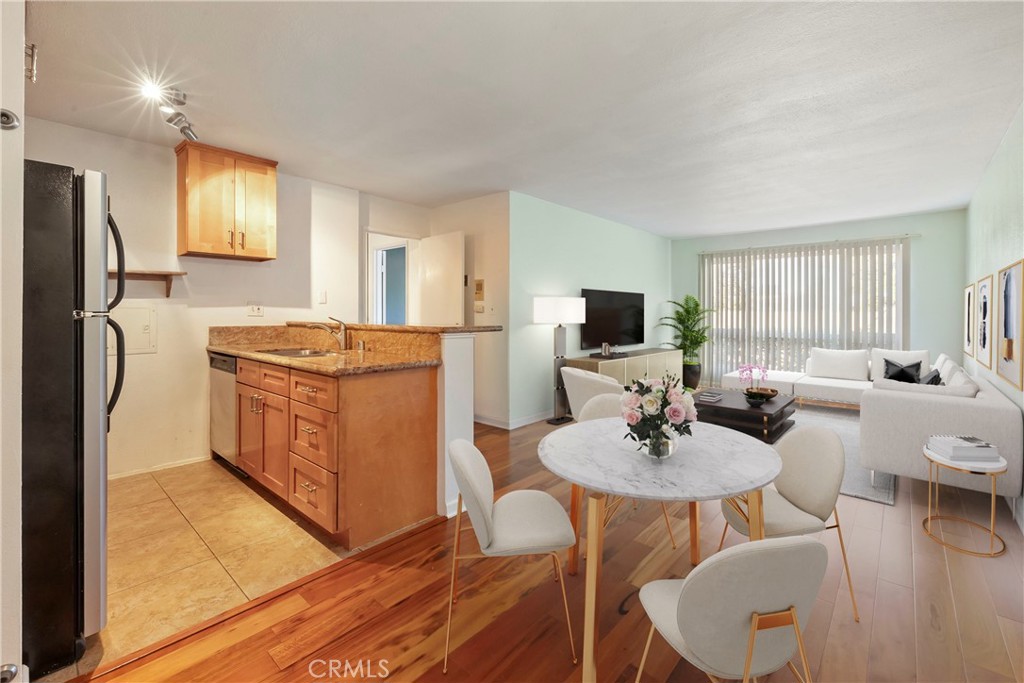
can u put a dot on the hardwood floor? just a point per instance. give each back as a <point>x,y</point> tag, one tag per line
<point>927,614</point>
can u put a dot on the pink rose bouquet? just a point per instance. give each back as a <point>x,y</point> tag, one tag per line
<point>657,410</point>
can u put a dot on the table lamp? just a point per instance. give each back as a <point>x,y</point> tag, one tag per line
<point>559,311</point>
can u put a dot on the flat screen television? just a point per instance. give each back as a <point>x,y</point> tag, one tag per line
<point>616,318</point>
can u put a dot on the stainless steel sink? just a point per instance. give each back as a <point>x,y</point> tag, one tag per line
<point>299,353</point>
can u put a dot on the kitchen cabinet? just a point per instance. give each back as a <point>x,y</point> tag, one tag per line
<point>227,203</point>
<point>263,425</point>
<point>324,445</point>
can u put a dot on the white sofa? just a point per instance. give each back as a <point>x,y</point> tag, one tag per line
<point>896,420</point>
<point>583,385</point>
<point>834,376</point>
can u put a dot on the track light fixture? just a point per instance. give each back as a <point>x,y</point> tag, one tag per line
<point>181,122</point>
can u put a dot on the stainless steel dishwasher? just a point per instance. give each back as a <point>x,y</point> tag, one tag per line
<point>223,415</point>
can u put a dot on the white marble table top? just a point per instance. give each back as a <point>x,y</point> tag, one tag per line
<point>974,467</point>
<point>714,463</point>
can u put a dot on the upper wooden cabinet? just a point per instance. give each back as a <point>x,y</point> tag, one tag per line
<point>227,203</point>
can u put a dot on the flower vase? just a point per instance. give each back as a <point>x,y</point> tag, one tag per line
<point>660,446</point>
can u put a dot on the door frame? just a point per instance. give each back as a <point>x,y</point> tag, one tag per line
<point>12,164</point>
<point>370,259</point>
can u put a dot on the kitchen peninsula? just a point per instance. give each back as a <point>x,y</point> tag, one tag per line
<point>353,439</point>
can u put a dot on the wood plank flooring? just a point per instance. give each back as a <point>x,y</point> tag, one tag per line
<point>927,614</point>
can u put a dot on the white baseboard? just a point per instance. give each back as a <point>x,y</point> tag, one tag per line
<point>491,421</point>
<point>530,419</point>
<point>451,507</point>
<point>167,466</point>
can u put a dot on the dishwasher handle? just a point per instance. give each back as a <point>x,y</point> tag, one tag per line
<point>219,361</point>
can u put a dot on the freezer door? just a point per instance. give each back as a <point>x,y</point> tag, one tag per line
<point>93,232</point>
<point>94,472</point>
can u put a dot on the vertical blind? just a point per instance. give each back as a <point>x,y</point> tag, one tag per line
<point>772,305</point>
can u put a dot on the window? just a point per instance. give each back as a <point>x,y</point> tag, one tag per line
<point>772,305</point>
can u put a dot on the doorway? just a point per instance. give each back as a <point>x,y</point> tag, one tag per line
<point>390,278</point>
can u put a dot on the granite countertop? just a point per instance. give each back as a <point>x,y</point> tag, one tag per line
<point>429,329</point>
<point>338,364</point>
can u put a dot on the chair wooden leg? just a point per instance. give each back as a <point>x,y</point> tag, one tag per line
<point>721,543</point>
<point>565,602</point>
<point>846,565</point>
<point>451,591</point>
<point>750,647</point>
<point>668,525</point>
<point>643,658</point>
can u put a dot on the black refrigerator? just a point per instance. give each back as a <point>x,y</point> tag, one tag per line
<point>66,409</point>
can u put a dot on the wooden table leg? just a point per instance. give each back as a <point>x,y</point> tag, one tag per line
<point>694,533</point>
<point>595,551</point>
<point>575,510</point>
<point>755,513</point>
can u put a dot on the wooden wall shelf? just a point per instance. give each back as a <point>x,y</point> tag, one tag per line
<point>166,276</point>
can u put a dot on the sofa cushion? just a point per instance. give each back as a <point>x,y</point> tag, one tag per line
<point>946,369</point>
<point>782,380</point>
<point>910,372</point>
<point>940,359</point>
<point>852,365</point>
<point>878,357</point>
<point>831,389</point>
<point>960,378</point>
<point>963,390</point>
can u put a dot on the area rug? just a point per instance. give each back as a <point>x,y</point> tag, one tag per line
<point>857,480</point>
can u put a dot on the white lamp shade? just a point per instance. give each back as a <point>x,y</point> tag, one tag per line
<point>559,310</point>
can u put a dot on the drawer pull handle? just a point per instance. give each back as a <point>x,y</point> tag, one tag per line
<point>259,404</point>
<point>309,487</point>
<point>307,389</point>
<point>309,430</point>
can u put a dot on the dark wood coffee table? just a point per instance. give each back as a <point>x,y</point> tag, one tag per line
<point>767,422</point>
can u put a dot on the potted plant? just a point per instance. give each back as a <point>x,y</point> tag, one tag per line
<point>752,376</point>
<point>690,334</point>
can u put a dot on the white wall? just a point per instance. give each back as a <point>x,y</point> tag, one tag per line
<point>162,418</point>
<point>557,251</point>
<point>485,222</point>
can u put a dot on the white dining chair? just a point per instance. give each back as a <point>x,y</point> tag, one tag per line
<point>738,614</point>
<point>518,523</point>
<point>803,496</point>
<point>583,385</point>
<point>610,405</point>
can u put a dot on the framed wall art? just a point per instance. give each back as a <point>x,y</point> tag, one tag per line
<point>1009,295</point>
<point>969,320</point>
<point>983,315</point>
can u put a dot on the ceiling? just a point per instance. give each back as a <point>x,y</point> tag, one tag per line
<point>681,119</point>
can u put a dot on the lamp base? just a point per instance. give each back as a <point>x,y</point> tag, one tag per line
<point>560,420</point>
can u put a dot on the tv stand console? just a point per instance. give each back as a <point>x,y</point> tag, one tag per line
<point>636,364</point>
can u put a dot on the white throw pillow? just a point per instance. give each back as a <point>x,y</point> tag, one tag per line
<point>960,378</point>
<point>940,360</point>
<point>878,357</point>
<point>838,364</point>
<point>947,369</point>
<point>962,390</point>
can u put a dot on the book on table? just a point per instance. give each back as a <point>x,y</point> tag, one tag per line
<point>710,396</point>
<point>962,447</point>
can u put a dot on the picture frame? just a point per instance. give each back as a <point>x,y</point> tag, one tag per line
<point>1009,330</point>
<point>968,335</point>
<point>983,320</point>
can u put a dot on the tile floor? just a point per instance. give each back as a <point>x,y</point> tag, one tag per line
<point>187,543</point>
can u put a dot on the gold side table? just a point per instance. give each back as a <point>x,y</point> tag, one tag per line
<point>992,469</point>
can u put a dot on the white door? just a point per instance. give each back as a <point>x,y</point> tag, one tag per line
<point>12,162</point>
<point>442,279</point>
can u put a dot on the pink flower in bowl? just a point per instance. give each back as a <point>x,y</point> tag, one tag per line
<point>675,413</point>
<point>632,417</point>
<point>630,400</point>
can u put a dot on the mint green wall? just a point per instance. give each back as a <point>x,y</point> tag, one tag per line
<point>556,251</point>
<point>937,274</point>
<point>995,228</point>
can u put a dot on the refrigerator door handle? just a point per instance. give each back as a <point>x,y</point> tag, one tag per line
<point>119,249</point>
<point>115,393</point>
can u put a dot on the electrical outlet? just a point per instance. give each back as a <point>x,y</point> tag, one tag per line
<point>255,309</point>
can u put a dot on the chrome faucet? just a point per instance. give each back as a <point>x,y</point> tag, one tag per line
<point>339,336</point>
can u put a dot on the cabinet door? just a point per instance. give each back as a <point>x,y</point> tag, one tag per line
<point>210,184</point>
<point>250,430</point>
<point>255,204</point>
<point>615,369</point>
<point>656,365</point>
<point>636,368</point>
<point>274,473</point>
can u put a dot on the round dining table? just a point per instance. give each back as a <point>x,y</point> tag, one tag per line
<point>714,463</point>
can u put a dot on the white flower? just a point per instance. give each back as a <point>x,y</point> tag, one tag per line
<point>687,401</point>
<point>651,404</point>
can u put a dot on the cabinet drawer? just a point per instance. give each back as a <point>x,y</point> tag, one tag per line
<point>274,378</point>
<point>313,491</point>
<point>314,390</point>
<point>247,372</point>
<point>314,435</point>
